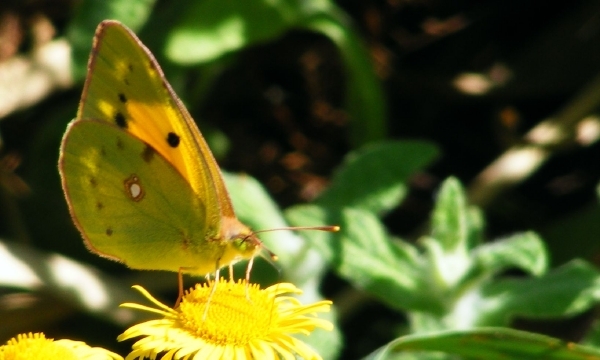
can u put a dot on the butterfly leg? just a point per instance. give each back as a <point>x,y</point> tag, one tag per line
<point>180,278</point>
<point>248,269</point>
<point>212,291</point>
<point>230,272</point>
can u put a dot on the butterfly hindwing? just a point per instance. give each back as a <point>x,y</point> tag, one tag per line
<point>130,203</point>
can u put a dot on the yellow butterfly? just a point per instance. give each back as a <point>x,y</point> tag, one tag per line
<point>141,183</point>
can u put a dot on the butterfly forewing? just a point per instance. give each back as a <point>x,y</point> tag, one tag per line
<point>126,87</point>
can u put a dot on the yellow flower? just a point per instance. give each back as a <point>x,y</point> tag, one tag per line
<point>36,346</point>
<point>241,322</point>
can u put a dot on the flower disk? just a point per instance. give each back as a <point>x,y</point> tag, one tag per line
<point>233,320</point>
<point>220,323</point>
<point>36,346</point>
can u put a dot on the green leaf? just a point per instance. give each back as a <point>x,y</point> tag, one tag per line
<point>491,344</point>
<point>133,13</point>
<point>475,230</point>
<point>525,251</point>
<point>450,219</point>
<point>363,254</point>
<point>211,28</point>
<point>374,178</point>
<point>447,249</point>
<point>565,291</point>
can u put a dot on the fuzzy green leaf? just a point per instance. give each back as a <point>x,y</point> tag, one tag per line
<point>525,251</point>
<point>375,177</point>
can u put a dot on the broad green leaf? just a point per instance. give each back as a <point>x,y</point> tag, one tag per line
<point>90,13</point>
<point>525,251</point>
<point>490,344</point>
<point>374,178</point>
<point>565,291</point>
<point>211,28</point>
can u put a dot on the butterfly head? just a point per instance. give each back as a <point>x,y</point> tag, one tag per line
<point>242,243</point>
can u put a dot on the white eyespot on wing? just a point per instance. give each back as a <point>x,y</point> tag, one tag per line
<point>133,188</point>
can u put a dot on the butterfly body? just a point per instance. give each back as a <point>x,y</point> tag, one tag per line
<point>142,186</point>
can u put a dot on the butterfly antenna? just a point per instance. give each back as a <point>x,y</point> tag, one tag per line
<point>331,228</point>
<point>272,257</point>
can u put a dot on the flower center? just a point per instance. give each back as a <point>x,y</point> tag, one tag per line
<point>237,313</point>
<point>34,346</point>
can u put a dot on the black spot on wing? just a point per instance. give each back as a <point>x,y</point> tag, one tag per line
<point>120,145</point>
<point>109,231</point>
<point>122,98</point>
<point>120,120</point>
<point>93,182</point>
<point>173,140</point>
<point>148,153</point>
<point>99,205</point>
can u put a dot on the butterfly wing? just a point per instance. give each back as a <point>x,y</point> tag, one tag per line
<point>126,87</point>
<point>130,203</point>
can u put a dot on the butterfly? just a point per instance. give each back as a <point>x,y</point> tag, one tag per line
<point>141,183</point>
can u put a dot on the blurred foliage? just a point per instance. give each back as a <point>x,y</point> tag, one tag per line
<point>369,115</point>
